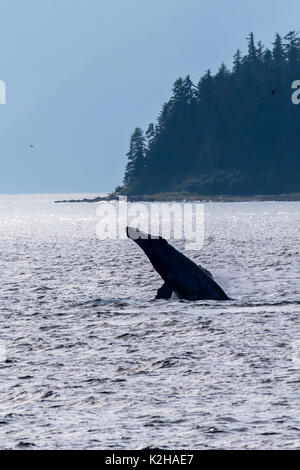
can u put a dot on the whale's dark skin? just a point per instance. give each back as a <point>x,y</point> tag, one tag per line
<point>180,274</point>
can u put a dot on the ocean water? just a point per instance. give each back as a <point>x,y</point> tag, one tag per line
<point>89,361</point>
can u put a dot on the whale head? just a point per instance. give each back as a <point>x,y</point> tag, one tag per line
<point>136,234</point>
<point>154,246</point>
<point>145,240</point>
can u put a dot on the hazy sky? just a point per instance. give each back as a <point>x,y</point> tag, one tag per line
<point>82,74</point>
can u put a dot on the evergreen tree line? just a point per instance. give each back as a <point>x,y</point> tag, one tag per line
<point>235,132</point>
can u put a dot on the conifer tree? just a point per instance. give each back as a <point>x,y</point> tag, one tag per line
<point>237,60</point>
<point>278,51</point>
<point>136,159</point>
<point>252,52</point>
<point>292,48</point>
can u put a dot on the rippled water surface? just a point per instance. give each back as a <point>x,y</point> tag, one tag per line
<point>88,360</point>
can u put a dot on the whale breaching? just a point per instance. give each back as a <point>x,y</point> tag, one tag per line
<point>181,276</point>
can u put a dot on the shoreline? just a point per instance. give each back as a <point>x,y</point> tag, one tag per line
<point>181,197</point>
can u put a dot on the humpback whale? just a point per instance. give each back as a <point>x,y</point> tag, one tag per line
<point>181,276</point>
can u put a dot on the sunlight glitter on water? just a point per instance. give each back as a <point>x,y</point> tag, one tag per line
<point>92,362</point>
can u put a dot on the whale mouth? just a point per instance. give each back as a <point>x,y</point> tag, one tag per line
<point>133,233</point>
<point>136,234</point>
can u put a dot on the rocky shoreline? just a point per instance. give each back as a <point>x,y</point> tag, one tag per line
<point>183,197</point>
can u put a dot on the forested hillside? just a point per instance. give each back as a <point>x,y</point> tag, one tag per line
<point>235,132</point>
